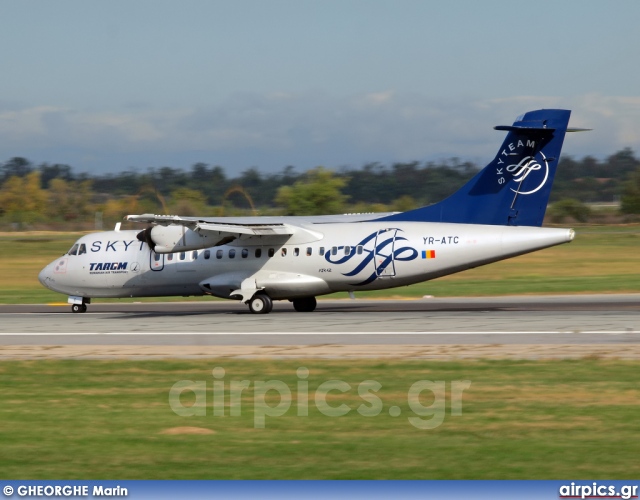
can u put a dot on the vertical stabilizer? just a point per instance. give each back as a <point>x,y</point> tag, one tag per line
<point>514,188</point>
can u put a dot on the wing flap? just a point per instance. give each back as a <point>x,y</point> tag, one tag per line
<point>251,229</point>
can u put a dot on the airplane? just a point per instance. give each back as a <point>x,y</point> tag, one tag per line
<point>497,215</point>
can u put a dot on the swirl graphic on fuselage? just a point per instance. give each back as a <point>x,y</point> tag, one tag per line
<point>376,245</point>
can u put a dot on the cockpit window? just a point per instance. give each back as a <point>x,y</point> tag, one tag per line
<point>83,249</point>
<point>74,250</point>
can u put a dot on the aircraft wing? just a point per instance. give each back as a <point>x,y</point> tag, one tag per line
<point>201,225</point>
<point>172,233</point>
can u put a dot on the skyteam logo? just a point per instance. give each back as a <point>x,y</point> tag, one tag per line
<point>530,173</point>
<point>526,167</point>
<point>376,253</point>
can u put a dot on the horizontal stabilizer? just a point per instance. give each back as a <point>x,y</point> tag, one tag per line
<point>523,129</point>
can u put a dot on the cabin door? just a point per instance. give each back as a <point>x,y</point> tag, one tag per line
<point>384,253</point>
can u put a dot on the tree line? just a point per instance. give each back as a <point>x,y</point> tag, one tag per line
<point>31,193</point>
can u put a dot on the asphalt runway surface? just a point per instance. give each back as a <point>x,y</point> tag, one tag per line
<point>528,320</point>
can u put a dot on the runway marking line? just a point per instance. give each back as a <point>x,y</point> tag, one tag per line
<point>306,333</point>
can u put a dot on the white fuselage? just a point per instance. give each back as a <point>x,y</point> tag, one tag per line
<point>325,258</point>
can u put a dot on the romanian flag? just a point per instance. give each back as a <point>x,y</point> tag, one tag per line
<point>428,254</point>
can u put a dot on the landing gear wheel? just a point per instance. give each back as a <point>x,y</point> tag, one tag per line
<point>306,304</point>
<point>79,308</point>
<point>260,303</point>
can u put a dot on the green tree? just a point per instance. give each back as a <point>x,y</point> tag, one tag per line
<point>404,203</point>
<point>569,207</point>
<point>57,171</point>
<point>69,199</point>
<point>116,208</point>
<point>16,167</point>
<point>319,192</point>
<point>22,199</point>
<point>630,202</point>
<point>188,202</point>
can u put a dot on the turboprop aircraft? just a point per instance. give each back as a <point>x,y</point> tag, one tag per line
<point>497,215</point>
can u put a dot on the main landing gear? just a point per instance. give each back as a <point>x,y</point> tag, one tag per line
<point>305,304</point>
<point>79,304</point>
<point>261,303</point>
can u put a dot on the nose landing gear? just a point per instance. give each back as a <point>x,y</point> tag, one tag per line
<point>79,304</point>
<point>79,308</point>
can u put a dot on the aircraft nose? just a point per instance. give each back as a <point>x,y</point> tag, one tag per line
<point>44,275</point>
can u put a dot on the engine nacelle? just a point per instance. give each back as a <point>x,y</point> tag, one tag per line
<point>177,238</point>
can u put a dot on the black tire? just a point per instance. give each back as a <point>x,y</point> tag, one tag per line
<point>306,304</point>
<point>79,308</point>
<point>260,303</point>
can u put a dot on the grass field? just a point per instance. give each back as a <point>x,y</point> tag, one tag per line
<point>520,420</point>
<point>602,259</point>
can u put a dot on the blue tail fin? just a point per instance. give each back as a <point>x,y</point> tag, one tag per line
<point>514,188</point>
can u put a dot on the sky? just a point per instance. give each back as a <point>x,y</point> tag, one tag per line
<point>130,85</point>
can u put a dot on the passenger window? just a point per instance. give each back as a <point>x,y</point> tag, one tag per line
<point>334,250</point>
<point>258,253</point>
<point>347,250</point>
<point>156,257</point>
<point>232,253</point>
<point>74,250</point>
<point>296,251</point>
<point>271,252</point>
<point>170,256</point>
<point>245,253</point>
<point>309,251</point>
<point>284,252</point>
<point>83,249</point>
<point>194,255</point>
<point>359,249</point>
<point>182,255</point>
<point>207,254</point>
<point>219,254</point>
<point>321,252</point>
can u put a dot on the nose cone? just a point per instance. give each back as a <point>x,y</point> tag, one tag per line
<point>54,276</point>
<point>44,276</point>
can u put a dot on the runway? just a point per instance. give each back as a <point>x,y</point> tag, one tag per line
<point>395,326</point>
